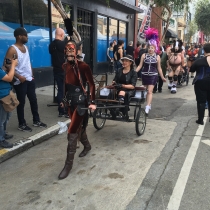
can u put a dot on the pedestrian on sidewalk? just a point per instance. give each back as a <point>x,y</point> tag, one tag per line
<point>141,52</point>
<point>119,53</point>
<point>110,56</point>
<point>136,54</point>
<point>56,49</point>
<point>24,83</point>
<point>130,49</point>
<point>201,83</point>
<point>163,58</point>
<point>5,87</point>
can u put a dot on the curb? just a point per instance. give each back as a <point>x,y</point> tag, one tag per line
<point>22,145</point>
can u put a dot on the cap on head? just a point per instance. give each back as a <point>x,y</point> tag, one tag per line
<point>20,31</point>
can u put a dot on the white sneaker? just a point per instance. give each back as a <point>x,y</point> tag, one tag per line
<point>147,108</point>
<point>170,85</point>
<point>173,89</point>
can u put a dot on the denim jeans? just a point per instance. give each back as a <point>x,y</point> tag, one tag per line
<point>59,78</point>
<point>23,89</point>
<point>4,117</point>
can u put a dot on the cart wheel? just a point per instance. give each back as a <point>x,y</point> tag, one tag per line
<point>140,122</point>
<point>97,121</point>
<point>134,116</point>
<point>187,78</point>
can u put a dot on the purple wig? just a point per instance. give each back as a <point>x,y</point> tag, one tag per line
<point>152,37</point>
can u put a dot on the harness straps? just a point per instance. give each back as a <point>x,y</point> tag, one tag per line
<point>77,73</point>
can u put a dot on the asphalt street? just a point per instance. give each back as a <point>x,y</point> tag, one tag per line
<point>165,168</point>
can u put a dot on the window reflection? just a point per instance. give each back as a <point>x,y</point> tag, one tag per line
<point>122,31</point>
<point>9,21</point>
<point>36,23</point>
<point>112,29</point>
<point>102,38</point>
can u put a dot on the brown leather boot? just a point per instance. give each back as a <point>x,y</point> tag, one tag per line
<point>71,150</point>
<point>86,144</point>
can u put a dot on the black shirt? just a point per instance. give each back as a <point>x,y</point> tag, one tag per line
<point>114,50</point>
<point>129,50</point>
<point>202,69</point>
<point>56,49</point>
<point>122,79</point>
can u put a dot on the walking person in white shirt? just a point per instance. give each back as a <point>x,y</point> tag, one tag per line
<point>24,84</point>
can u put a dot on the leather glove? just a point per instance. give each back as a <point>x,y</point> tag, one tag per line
<point>118,86</point>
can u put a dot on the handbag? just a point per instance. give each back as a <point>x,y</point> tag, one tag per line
<point>9,102</point>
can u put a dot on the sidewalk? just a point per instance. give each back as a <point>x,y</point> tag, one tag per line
<point>49,115</point>
<point>24,140</point>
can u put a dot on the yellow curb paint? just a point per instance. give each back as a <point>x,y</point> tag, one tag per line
<point>3,151</point>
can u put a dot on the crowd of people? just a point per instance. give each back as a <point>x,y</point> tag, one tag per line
<point>149,62</point>
<point>154,63</point>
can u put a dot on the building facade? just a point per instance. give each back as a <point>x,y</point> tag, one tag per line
<point>97,23</point>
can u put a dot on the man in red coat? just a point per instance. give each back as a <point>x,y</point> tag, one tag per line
<point>77,73</point>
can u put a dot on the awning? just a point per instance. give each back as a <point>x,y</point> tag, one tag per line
<point>171,34</point>
<point>129,6</point>
<point>126,5</point>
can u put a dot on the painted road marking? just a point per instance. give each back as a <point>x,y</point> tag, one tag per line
<point>206,142</point>
<point>3,151</point>
<point>179,188</point>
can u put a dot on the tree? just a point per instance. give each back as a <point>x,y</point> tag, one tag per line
<point>192,28</point>
<point>168,7</point>
<point>202,19</point>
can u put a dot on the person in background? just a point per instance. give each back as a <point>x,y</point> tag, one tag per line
<point>163,58</point>
<point>141,52</point>
<point>201,51</point>
<point>191,53</point>
<point>5,87</point>
<point>110,56</point>
<point>130,49</point>
<point>119,54</point>
<point>56,49</point>
<point>24,81</point>
<point>201,83</point>
<point>164,46</point>
<point>114,50</point>
<point>136,53</point>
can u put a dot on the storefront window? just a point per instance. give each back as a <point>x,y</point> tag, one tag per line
<point>112,30</point>
<point>102,39</point>
<point>9,21</point>
<point>37,24</point>
<point>122,32</point>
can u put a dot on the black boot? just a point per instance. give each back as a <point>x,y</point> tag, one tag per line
<point>201,111</point>
<point>71,150</point>
<point>86,144</point>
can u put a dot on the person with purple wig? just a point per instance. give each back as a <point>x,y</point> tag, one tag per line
<point>150,66</point>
